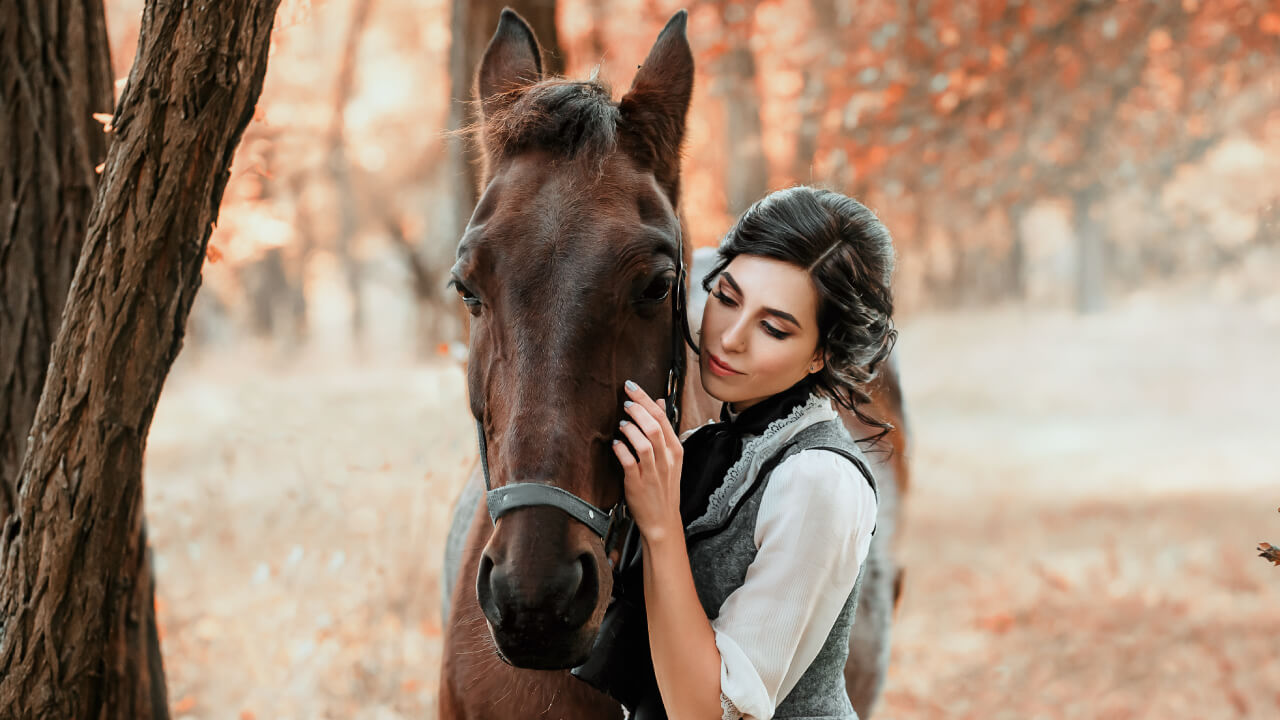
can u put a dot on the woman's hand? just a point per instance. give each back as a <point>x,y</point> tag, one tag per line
<point>651,475</point>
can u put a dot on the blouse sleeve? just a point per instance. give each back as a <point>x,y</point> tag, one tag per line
<point>812,535</point>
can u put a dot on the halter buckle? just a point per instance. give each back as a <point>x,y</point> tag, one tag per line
<point>615,534</point>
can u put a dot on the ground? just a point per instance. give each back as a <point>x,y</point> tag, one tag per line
<point>1079,537</point>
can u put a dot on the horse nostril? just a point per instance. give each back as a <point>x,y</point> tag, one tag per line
<point>484,590</point>
<point>582,602</point>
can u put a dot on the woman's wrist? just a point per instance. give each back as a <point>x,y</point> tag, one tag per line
<point>658,536</point>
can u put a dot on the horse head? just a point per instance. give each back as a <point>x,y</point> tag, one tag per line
<point>570,269</point>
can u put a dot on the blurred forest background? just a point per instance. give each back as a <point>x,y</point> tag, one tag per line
<point>1053,151</point>
<point>1085,196</point>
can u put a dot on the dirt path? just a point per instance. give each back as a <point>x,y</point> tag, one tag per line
<point>1079,536</point>
<point>1089,491</point>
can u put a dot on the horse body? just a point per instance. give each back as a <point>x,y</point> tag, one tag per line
<point>567,266</point>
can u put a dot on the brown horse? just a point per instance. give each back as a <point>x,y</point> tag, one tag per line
<point>571,269</point>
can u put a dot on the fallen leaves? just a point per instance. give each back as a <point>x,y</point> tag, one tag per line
<point>998,623</point>
<point>1269,552</point>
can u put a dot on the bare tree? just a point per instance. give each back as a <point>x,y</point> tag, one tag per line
<point>72,553</point>
<point>826,20</point>
<point>746,168</point>
<point>340,168</point>
<point>473,23</point>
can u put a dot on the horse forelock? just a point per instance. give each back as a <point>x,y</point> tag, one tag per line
<point>572,119</point>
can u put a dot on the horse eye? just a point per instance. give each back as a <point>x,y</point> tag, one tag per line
<point>468,298</point>
<point>658,290</point>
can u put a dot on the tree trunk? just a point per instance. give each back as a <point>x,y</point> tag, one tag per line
<point>472,24</point>
<point>812,104</point>
<point>340,169</point>
<point>747,172</point>
<point>1090,252</point>
<point>1017,259</point>
<point>73,552</point>
<point>55,73</point>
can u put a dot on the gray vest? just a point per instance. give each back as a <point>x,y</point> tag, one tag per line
<point>719,557</point>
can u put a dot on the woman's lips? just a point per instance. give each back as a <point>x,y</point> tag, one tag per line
<point>720,367</point>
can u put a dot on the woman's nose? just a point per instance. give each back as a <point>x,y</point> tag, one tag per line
<point>735,336</point>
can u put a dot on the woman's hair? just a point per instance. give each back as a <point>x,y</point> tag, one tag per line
<point>849,255</point>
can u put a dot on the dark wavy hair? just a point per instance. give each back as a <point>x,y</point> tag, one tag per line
<point>849,255</point>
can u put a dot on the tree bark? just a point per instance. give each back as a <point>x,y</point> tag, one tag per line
<point>340,169</point>
<point>746,169</point>
<point>72,556</point>
<point>55,73</point>
<point>812,104</point>
<point>1091,288</point>
<point>473,23</point>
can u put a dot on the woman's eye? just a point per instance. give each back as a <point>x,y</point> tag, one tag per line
<point>774,331</point>
<point>724,299</point>
<point>658,290</point>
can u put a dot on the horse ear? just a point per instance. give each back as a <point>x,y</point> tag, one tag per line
<point>656,105</point>
<point>512,61</point>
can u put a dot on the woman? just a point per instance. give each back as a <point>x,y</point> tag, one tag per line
<point>761,521</point>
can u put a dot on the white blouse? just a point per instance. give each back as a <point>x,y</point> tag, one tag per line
<point>812,534</point>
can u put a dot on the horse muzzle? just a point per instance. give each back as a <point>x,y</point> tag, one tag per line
<point>543,603</point>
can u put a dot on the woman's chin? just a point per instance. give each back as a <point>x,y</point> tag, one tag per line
<point>717,388</point>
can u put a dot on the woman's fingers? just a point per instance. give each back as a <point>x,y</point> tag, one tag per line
<point>638,395</point>
<point>652,417</point>
<point>626,459</point>
<point>673,437</point>
<point>653,431</point>
<point>641,445</point>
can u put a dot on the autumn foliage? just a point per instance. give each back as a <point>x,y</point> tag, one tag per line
<point>1269,552</point>
<point>1055,151</point>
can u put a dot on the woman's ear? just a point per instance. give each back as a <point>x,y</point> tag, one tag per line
<point>818,361</point>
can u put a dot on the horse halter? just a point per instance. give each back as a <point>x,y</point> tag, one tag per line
<point>610,525</point>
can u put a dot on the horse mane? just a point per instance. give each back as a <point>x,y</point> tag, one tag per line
<point>571,119</point>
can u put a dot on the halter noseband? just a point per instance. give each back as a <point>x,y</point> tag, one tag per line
<point>610,525</point>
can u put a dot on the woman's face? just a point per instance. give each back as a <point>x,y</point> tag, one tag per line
<point>759,330</point>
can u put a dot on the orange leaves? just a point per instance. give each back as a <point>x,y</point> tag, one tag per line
<point>105,119</point>
<point>1270,23</point>
<point>1270,553</point>
<point>998,623</point>
<point>1159,40</point>
<point>998,56</point>
<point>430,627</point>
<point>715,50</point>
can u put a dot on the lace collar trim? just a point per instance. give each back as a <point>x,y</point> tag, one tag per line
<point>738,479</point>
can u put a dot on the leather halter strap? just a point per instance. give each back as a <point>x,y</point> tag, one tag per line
<point>610,525</point>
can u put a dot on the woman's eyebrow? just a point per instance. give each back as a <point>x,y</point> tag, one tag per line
<point>783,314</point>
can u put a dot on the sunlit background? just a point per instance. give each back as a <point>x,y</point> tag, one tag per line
<point>1085,197</point>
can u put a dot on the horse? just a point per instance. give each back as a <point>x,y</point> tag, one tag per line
<point>573,269</point>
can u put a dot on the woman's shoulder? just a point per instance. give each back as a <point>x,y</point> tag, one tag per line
<point>817,488</point>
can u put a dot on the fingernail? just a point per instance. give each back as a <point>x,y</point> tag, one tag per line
<point>623,423</point>
<point>615,442</point>
<point>627,404</point>
<point>632,386</point>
